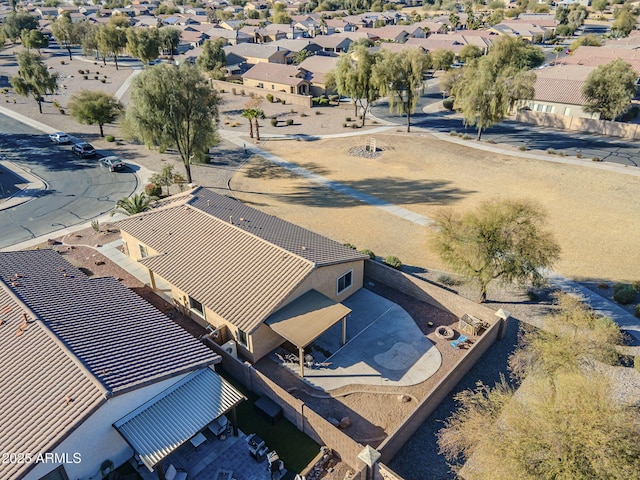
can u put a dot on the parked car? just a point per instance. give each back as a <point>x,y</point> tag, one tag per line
<point>83,149</point>
<point>59,137</point>
<point>113,163</point>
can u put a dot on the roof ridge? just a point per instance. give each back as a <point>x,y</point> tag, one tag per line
<point>221,221</point>
<point>57,340</point>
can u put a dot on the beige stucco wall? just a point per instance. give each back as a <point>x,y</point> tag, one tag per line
<point>274,87</point>
<point>132,249</point>
<point>601,127</point>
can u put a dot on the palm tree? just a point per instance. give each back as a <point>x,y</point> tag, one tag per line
<point>136,203</point>
<point>259,115</point>
<point>250,114</point>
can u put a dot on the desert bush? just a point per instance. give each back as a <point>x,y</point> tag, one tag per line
<point>579,154</point>
<point>289,121</point>
<point>349,245</point>
<point>551,151</point>
<point>86,77</point>
<point>81,72</point>
<point>283,101</point>
<point>453,133</point>
<point>595,159</point>
<point>345,125</point>
<point>318,112</point>
<point>233,90</point>
<point>103,80</point>
<point>624,293</point>
<point>448,280</point>
<point>303,115</point>
<point>368,252</point>
<point>153,190</point>
<point>269,98</point>
<point>347,119</point>
<point>274,122</point>
<point>110,138</point>
<point>393,262</point>
<point>448,103</point>
<point>96,77</point>
<point>522,148</point>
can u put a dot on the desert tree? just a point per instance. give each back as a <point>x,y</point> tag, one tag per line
<point>625,21</point>
<point>167,177</point>
<point>112,37</point>
<point>143,43</point>
<point>67,33</point>
<point>353,77</point>
<point>170,39</point>
<point>34,39</point>
<point>95,108</point>
<point>213,60</point>
<point>33,78</point>
<point>501,240</point>
<point>469,52</point>
<point>15,22</point>
<point>399,77</point>
<point>609,89</point>
<point>174,107</point>
<point>442,59</point>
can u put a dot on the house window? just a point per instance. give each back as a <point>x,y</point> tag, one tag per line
<point>345,281</point>
<point>242,338</point>
<point>567,111</point>
<point>143,251</point>
<point>196,306</point>
<point>56,474</point>
<point>260,85</point>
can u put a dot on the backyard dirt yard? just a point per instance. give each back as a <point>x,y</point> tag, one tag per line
<point>590,211</point>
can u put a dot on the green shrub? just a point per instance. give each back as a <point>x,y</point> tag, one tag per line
<point>522,148</point>
<point>551,151</point>
<point>153,190</point>
<point>318,112</point>
<point>349,245</point>
<point>448,103</point>
<point>269,98</point>
<point>348,119</point>
<point>636,311</point>
<point>579,154</point>
<point>354,125</point>
<point>103,81</point>
<point>289,121</point>
<point>624,293</point>
<point>324,101</point>
<point>448,280</point>
<point>393,262</point>
<point>110,138</point>
<point>96,77</point>
<point>595,159</point>
<point>467,137</point>
<point>86,77</point>
<point>453,133</point>
<point>81,72</point>
<point>274,122</point>
<point>368,252</point>
<point>283,101</point>
<point>636,362</point>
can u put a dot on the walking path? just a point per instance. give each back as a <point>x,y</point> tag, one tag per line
<point>625,319</point>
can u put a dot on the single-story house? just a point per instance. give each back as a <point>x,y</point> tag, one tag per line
<point>297,45</point>
<point>243,272</point>
<point>337,43</point>
<point>84,363</point>
<point>278,78</point>
<point>258,53</point>
<point>319,66</point>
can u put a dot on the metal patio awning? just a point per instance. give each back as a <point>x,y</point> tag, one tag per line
<point>161,425</point>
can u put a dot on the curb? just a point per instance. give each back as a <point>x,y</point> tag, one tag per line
<point>27,193</point>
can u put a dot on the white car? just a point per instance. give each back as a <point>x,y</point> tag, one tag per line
<point>60,137</point>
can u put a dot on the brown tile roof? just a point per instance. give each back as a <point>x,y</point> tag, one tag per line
<point>596,56</point>
<point>122,340</point>
<point>38,376</point>
<point>243,270</point>
<point>277,73</point>
<point>561,84</point>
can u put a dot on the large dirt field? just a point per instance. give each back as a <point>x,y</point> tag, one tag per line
<point>590,211</point>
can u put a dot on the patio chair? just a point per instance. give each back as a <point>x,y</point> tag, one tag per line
<point>219,426</point>
<point>455,343</point>
<point>173,473</point>
<point>463,338</point>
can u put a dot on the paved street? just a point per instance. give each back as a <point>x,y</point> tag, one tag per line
<point>77,189</point>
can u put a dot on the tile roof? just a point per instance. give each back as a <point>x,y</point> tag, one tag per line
<point>243,270</point>
<point>596,56</point>
<point>44,392</point>
<point>121,339</point>
<point>277,73</point>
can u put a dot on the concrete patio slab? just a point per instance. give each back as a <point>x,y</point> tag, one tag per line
<point>384,347</point>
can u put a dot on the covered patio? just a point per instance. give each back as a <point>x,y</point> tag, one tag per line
<point>178,417</point>
<point>305,319</point>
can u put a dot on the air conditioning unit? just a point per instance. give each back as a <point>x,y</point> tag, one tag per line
<point>231,348</point>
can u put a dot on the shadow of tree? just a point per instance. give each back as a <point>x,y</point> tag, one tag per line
<point>263,168</point>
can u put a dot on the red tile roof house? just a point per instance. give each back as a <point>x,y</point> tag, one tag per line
<point>86,364</point>
<point>238,269</point>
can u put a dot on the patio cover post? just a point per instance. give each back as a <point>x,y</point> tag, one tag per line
<point>234,421</point>
<point>344,331</point>
<point>152,281</point>
<point>301,357</point>
<point>160,471</point>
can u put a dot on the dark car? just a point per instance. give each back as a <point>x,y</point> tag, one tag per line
<point>83,149</point>
<point>113,163</point>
